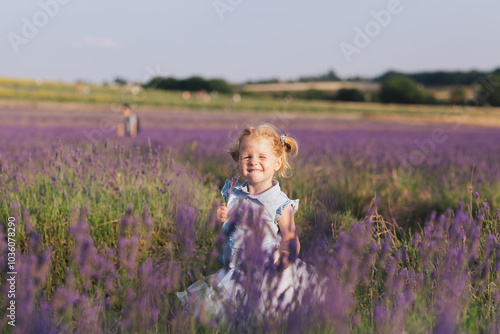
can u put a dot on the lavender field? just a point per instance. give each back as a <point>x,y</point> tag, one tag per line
<point>399,221</point>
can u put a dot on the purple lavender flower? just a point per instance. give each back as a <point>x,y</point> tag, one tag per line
<point>232,183</point>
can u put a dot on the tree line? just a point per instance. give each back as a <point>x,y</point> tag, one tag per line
<point>195,83</point>
<point>410,88</point>
<point>439,78</point>
<point>428,79</point>
<point>396,87</point>
<point>405,90</point>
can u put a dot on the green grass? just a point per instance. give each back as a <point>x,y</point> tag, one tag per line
<point>334,197</point>
<point>26,90</point>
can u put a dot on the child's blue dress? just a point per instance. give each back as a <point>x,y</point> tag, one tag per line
<point>222,286</point>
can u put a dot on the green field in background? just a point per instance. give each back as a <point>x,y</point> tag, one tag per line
<point>28,90</point>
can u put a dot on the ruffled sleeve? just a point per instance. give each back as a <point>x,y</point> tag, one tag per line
<point>225,189</point>
<point>279,211</point>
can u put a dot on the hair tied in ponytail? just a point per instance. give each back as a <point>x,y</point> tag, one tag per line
<point>283,139</point>
<point>284,143</point>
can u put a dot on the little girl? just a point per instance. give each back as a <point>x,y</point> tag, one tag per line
<point>257,207</point>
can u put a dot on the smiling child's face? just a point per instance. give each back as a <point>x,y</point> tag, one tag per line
<point>257,161</point>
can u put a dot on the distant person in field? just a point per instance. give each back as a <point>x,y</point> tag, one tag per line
<point>130,124</point>
<point>260,245</point>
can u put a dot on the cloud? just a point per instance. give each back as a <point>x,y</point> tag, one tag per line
<point>100,42</point>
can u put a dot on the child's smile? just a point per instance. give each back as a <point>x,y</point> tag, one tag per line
<point>254,170</point>
<point>258,162</point>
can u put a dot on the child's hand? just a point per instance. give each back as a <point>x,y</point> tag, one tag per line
<point>222,213</point>
<point>287,252</point>
<point>283,261</point>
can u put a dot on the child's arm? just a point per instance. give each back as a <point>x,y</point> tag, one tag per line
<point>288,237</point>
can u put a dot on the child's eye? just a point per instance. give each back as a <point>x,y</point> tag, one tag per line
<point>262,157</point>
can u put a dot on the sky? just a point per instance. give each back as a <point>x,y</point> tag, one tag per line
<point>240,40</point>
